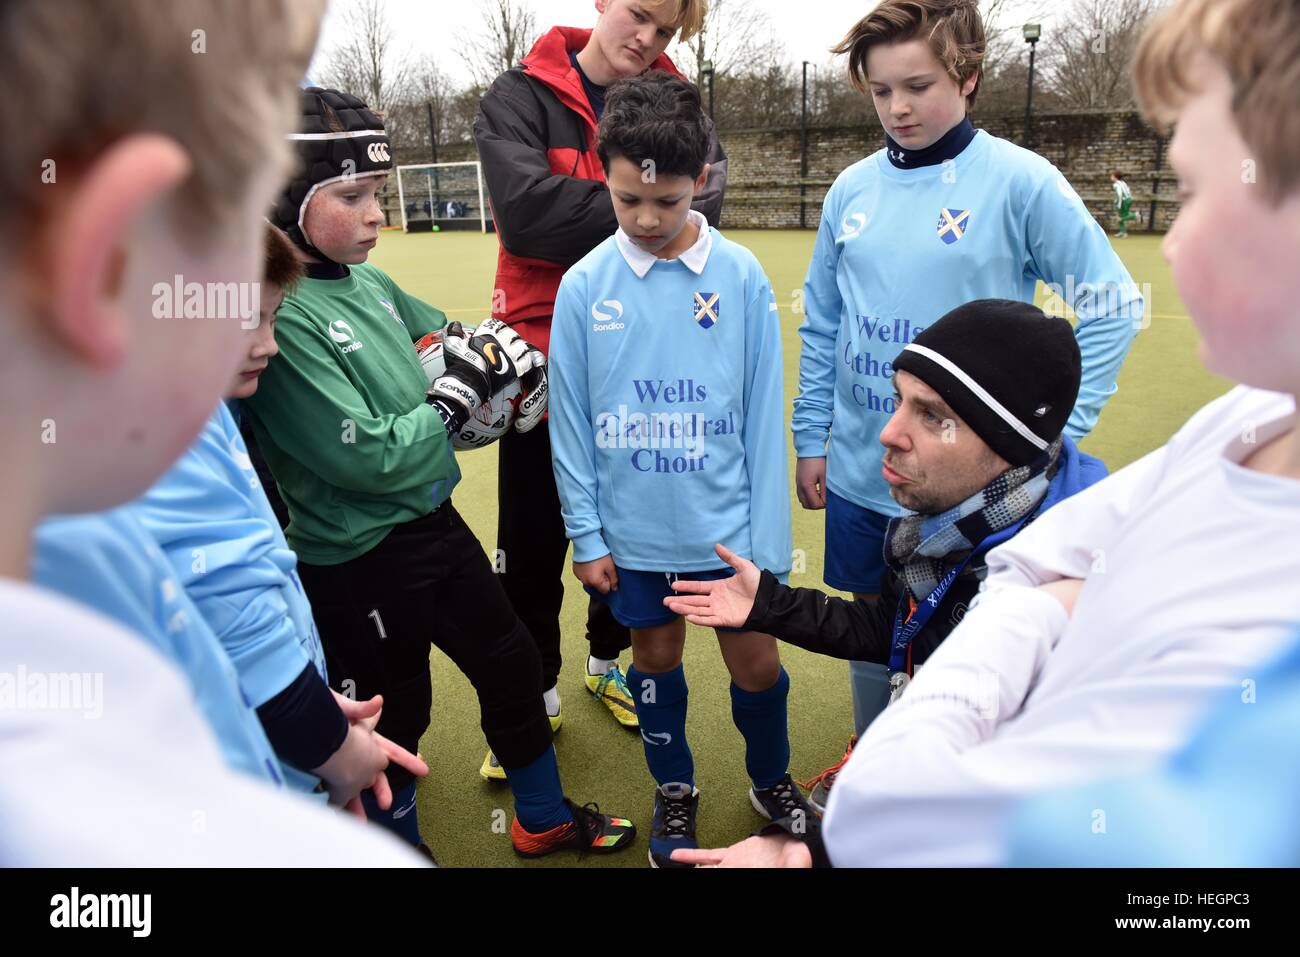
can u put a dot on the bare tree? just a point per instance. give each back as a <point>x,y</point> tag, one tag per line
<point>1088,52</point>
<point>737,38</point>
<point>832,100</point>
<point>760,97</point>
<point>1006,61</point>
<point>508,32</point>
<point>1003,20</point>
<point>428,92</point>
<point>368,63</point>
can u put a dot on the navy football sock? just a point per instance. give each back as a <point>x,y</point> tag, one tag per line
<point>400,818</point>
<point>539,798</point>
<point>661,711</point>
<point>761,718</point>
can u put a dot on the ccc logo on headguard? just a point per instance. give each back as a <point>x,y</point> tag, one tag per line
<point>378,153</point>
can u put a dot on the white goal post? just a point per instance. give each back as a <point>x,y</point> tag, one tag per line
<point>446,195</point>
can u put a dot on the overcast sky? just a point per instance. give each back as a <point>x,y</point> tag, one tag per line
<point>808,28</point>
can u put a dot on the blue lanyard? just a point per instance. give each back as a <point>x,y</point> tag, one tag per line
<point>905,630</point>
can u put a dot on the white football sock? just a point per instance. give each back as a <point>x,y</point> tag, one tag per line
<point>598,666</point>
<point>552,701</point>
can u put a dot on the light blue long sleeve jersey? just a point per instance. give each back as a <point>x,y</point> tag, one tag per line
<point>667,414</point>
<point>211,516</point>
<point>109,562</point>
<point>897,249</point>
<point>1228,799</point>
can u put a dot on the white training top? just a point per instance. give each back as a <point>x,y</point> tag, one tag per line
<point>1191,564</point>
<point>107,763</point>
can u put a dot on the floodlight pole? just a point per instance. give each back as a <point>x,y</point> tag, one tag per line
<point>1032,32</point>
<point>803,151</point>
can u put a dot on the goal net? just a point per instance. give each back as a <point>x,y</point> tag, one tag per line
<point>446,195</point>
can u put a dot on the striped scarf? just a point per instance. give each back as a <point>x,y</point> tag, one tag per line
<point>921,549</point>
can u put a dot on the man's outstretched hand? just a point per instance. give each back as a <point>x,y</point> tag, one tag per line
<point>725,603</point>
<point>776,850</point>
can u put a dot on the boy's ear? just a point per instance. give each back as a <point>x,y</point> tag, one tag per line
<point>968,85</point>
<point>85,246</point>
<point>702,179</point>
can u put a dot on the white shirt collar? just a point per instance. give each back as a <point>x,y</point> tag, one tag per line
<point>694,258</point>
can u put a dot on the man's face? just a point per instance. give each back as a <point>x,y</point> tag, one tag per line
<point>651,209</point>
<point>933,460</point>
<point>343,219</point>
<point>915,98</point>
<point>1233,254</point>
<point>632,34</point>
<point>260,344</point>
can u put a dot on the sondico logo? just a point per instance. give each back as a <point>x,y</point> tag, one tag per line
<point>378,153</point>
<point>605,321</point>
<point>853,225</point>
<point>341,333</point>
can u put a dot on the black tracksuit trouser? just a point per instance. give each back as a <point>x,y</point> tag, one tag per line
<point>530,535</point>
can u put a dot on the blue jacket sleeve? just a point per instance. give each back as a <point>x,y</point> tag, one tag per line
<point>1070,252</point>
<point>766,459</point>
<point>220,552</point>
<point>573,448</point>
<point>815,403</point>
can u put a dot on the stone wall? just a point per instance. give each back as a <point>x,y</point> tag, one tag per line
<point>764,190</point>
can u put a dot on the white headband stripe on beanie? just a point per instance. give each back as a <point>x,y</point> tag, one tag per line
<point>980,393</point>
<point>345,135</point>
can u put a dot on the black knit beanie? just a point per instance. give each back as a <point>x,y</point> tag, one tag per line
<point>338,136</point>
<point>1009,370</point>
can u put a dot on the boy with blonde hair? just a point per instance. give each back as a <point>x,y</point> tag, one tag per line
<point>1224,74</point>
<point>117,191</point>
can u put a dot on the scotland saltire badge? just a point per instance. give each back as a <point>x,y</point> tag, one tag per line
<point>706,309</point>
<point>953,224</point>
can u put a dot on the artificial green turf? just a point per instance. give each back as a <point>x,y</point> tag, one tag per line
<point>466,821</point>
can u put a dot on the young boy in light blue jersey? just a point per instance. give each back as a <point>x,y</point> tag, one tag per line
<point>109,562</point>
<point>199,567</point>
<point>211,517</point>
<point>666,425</point>
<point>942,216</point>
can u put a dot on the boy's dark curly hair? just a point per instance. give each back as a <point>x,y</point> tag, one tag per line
<point>657,117</point>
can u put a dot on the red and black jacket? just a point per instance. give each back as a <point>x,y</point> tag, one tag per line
<point>536,136</point>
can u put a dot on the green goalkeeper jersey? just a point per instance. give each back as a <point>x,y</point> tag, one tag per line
<point>341,416</point>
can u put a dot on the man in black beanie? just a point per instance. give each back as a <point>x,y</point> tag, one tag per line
<point>974,451</point>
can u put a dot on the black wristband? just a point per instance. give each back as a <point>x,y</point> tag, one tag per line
<point>303,722</point>
<point>453,414</point>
